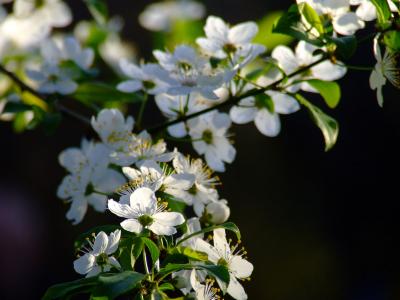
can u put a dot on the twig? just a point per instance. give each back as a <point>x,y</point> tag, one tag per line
<point>235,99</point>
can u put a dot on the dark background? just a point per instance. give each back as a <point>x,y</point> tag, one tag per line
<point>316,225</point>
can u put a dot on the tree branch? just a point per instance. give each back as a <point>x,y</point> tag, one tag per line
<point>235,99</point>
<point>23,86</point>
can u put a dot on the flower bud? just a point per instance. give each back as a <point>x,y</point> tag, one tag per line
<point>218,212</point>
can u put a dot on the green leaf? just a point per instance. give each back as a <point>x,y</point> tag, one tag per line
<point>228,226</point>
<point>216,271</point>
<point>328,125</point>
<point>64,290</point>
<point>290,24</point>
<point>190,253</point>
<point>392,40</point>
<point>114,285</point>
<point>97,92</point>
<point>81,239</point>
<point>266,37</point>
<point>311,16</point>
<point>153,249</point>
<point>329,90</point>
<point>346,46</point>
<point>166,287</point>
<point>383,11</point>
<point>173,203</point>
<point>15,107</point>
<point>99,10</point>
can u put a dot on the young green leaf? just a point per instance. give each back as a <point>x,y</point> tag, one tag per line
<point>114,285</point>
<point>99,10</point>
<point>329,90</point>
<point>382,11</point>
<point>190,253</point>
<point>311,16</point>
<point>67,289</point>
<point>346,46</point>
<point>154,251</point>
<point>328,125</point>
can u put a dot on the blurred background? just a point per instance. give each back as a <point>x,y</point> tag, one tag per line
<point>316,225</point>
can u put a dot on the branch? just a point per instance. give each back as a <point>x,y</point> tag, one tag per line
<point>24,87</point>
<point>235,99</point>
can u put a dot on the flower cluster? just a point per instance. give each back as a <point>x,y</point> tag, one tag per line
<point>170,235</point>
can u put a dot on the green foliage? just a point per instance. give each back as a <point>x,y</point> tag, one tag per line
<point>189,253</point>
<point>291,24</point>
<point>383,12</point>
<point>328,125</point>
<point>153,249</point>
<point>16,107</point>
<point>392,40</point>
<point>311,16</point>
<point>329,90</point>
<point>265,35</point>
<point>99,10</point>
<point>345,46</point>
<point>114,285</point>
<point>67,289</point>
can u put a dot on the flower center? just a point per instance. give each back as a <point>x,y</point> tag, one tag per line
<point>222,262</point>
<point>102,259</point>
<point>148,85</point>
<point>145,220</point>
<point>193,190</point>
<point>184,66</point>
<point>207,136</point>
<point>229,48</point>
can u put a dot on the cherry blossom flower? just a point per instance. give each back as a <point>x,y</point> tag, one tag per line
<point>98,259</point>
<point>144,212</point>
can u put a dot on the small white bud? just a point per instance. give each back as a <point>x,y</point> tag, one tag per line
<point>218,211</point>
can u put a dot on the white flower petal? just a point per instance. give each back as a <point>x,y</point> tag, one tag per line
<point>169,218</point>
<point>235,289</point>
<point>144,199</point>
<point>121,210</point>
<point>347,24</point>
<point>160,229</point>
<point>267,123</point>
<point>130,86</point>
<point>132,225</point>
<point>240,267</point>
<point>113,241</point>
<point>100,243</point>
<point>284,104</point>
<point>242,115</point>
<point>84,264</point>
<point>243,33</point>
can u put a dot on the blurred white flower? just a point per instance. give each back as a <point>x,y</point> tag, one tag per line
<point>143,211</point>
<point>222,41</point>
<point>90,181</point>
<point>147,77</point>
<point>366,10</point>
<point>53,79</point>
<point>98,259</point>
<point>160,16</point>
<point>208,133</point>
<point>344,21</point>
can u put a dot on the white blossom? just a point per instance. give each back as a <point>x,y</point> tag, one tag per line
<point>203,190</point>
<point>147,77</point>
<point>218,212</point>
<point>344,21</point>
<point>264,110</point>
<point>160,16</point>
<point>222,254</point>
<point>209,135</point>
<point>150,175</point>
<point>385,68</point>
<point>90,180</point>
<point>99,258</point>
<point>143,211</point>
